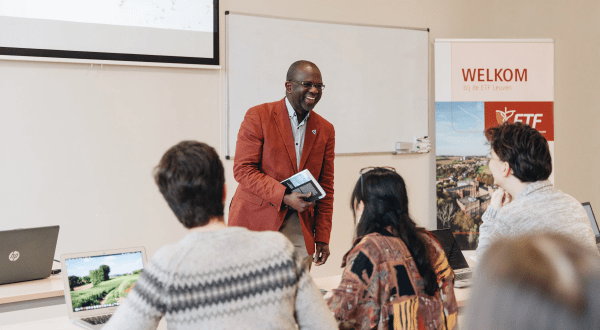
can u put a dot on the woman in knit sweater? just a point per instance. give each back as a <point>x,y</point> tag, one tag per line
<point>218,277</point>
<point>396,275</point>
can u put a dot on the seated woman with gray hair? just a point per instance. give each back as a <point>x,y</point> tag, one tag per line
<point>536,282</point>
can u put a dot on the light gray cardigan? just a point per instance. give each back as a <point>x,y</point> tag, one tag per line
<point>539,207</point>
<point>231,278</point>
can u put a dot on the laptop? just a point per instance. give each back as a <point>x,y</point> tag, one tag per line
<point>588,209</point>
<point>456,259</point>
<point>96,283</point>
<point>27,254</point>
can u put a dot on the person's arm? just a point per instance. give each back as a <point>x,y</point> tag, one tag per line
<point>487,229</point>
<point>145,304</point>
<point>248,157</point>
<point>445,279</point>
<point>355,302</point>
<point>310,307</point>
<point>324,207</point>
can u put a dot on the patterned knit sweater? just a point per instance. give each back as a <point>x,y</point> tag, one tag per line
<point>231,278</point>
<point>539,207</point>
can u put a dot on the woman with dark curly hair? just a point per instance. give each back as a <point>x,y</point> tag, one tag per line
<point>396,275</point>
<point>526,201</point>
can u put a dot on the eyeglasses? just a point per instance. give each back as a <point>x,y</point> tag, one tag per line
<point>367,169</point>
<point>308,84</point>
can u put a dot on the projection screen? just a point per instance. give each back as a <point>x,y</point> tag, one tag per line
<point>148,31</point>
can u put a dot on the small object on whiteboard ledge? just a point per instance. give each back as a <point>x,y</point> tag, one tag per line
<point>422,144</point>
<point>404,147</point>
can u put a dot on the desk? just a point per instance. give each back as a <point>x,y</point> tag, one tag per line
<point>37,305</point>
<point>57,323</point>
<point>32,300</point>
<point>32,290</point>
<point>55,316</point>
<point>50,287</point>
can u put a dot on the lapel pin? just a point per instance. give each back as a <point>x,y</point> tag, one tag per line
<point>314,131</point>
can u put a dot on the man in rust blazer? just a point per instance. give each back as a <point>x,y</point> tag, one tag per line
<point>277,140</point>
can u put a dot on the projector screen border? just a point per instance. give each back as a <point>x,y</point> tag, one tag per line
<point>70,56</point>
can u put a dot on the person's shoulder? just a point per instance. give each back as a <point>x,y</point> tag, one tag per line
<point>268,107</point>
<point>566,197</point>
<point>561,199</point>
<point>161,262</point>
<point>370,239</point>
<point>266,239</point>
<point>371,243</point>
<point>322,121</point>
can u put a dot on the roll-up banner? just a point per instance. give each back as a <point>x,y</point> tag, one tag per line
<point>480,84</point>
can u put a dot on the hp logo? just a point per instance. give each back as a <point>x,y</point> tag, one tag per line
<point>13,256</point>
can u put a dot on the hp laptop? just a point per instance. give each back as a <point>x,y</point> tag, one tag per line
<point>456,259</point>
<point>96,283</point>
<point>27,254</point>
<point>588,209</point>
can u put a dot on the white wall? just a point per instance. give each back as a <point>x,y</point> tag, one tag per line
<point>176,104</point>
<point>79,144</point>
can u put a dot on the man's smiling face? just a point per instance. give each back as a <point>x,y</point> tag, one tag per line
<point>304,99</point>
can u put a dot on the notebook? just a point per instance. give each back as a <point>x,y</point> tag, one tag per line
<point>588,209</point>
<point>96,283</point>
<point>304,182</point>
<point>27,254</point>
<point>456,259</point>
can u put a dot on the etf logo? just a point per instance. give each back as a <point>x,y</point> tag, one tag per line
<point>536,118</point>
<point>538,115</point>
<point>503,116</point>
<point>14,256</point>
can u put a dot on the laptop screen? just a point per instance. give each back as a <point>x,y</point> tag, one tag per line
<point>450,246</point>
<point>588,209</point>
<point>102,281</point>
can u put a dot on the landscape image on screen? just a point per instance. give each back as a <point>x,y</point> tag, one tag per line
<point>464,183</point>
<point>102,281</point>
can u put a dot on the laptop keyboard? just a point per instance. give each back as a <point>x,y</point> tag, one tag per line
<point>463,276</point>
<point>101,319</point>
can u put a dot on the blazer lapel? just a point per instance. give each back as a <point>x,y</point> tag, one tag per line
<point>282,120</point>
<point>312,129</point>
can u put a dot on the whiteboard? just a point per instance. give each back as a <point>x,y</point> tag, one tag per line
<point>376,77</point>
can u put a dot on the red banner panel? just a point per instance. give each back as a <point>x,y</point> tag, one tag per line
<point>539,115</point>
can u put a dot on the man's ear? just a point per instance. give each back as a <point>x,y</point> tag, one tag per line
<point>224,192</point>
<point>288,87</point>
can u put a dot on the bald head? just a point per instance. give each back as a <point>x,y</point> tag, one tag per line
<point>303,87</point>
<point>300,65</point>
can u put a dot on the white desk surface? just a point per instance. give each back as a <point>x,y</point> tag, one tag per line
<point>53,287</point>
<point>39,289</point>
<point>58,323</point>
<point>54,323</point>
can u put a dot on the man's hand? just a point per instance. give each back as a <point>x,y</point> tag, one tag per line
<point>500,198</point>
<point>296,201</point>
<point>321,253</point>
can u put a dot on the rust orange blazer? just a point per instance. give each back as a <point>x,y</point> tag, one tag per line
<point>265,155</point>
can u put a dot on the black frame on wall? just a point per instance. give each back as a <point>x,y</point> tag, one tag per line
<point>82,55</point>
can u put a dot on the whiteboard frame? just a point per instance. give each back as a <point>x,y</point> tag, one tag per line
<point>226,96</point>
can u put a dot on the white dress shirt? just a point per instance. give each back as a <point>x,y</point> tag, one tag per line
<point>298,130</point>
